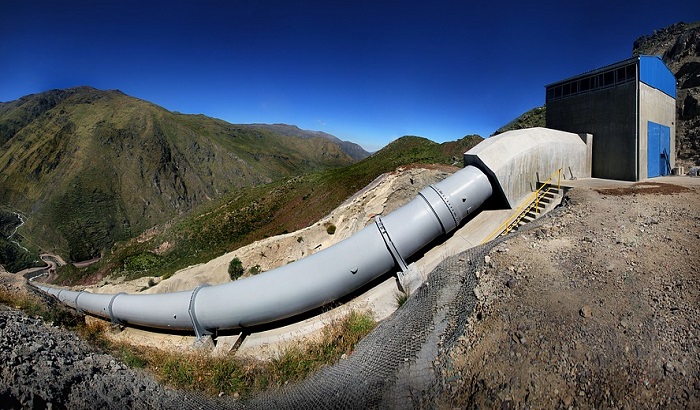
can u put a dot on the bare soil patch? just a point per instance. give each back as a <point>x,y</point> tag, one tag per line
<point>641,188</point>
<point>597,307</point>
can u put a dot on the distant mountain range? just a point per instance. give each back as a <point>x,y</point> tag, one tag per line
<point>89,167</point>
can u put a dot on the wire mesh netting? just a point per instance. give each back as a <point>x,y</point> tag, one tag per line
<point>402,362</point>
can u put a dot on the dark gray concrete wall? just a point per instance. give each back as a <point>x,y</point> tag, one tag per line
<point>610,115</point>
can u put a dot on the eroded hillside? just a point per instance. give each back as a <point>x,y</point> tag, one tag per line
<point>89,167</point>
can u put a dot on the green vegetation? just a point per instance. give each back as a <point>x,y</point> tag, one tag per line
<point>254,270</point>
<point>12,257</point>
<point>87,217</point>
<point>296,363</point>
<point>330,229</point>
<point>236,375</point>
<point>33,306</point>
<point>235,269</point>
<point>400,298</point>
<point>68,274</point>
<point>142,262</point>
<point>535,117</point>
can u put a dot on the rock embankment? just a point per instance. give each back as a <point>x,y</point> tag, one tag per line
<point>44,366</point>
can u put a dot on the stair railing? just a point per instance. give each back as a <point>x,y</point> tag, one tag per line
<point>532,203</point>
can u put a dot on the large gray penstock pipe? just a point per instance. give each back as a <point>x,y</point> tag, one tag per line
<point>307,283</point>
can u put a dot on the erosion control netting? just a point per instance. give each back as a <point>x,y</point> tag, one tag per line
<point>401,362</point>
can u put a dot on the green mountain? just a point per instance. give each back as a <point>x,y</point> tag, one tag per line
<point>88,167</point>
<point>252,213</point>
<point>535,117</point>
<point>350,148</point>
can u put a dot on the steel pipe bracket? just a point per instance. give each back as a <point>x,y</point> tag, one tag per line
<point>199,330</point>
<point>390,245</point>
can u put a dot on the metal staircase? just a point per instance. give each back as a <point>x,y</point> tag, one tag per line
<point>547,196</point>
<point>547,199</point>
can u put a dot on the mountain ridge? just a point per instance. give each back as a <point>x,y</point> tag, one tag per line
<point>352,149</point>
<point>91,167</point>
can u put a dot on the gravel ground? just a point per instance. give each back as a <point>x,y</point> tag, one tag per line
<point>596,308</point>
<point>44,366</point>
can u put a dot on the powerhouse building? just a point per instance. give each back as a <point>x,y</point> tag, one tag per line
<point>629,107</point>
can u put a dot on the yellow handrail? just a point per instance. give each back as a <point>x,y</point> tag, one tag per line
<point>533,201</point>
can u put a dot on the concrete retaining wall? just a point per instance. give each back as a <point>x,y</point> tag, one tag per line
<point>519,159</point>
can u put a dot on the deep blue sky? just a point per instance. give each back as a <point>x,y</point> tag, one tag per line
<point>365,71</point>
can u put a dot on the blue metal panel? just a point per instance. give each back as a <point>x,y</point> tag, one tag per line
<point>665,147</point>
<point>658,149</point>
<point>653,150</point>
<point>654,73</point>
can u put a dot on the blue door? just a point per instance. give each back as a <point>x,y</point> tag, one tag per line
<point>658,150</point>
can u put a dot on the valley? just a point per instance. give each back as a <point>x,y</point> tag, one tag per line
<point>591,306</point>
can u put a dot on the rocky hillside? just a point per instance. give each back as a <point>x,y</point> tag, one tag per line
<point>350,148</point>
<point>679,46</point>
<point>88,167</point>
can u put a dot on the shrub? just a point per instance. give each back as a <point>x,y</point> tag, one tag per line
<point>254,270</point>
<point>330,229</point>
<point>235,269</point>
<point>141,262</point>
<point>401,298</point>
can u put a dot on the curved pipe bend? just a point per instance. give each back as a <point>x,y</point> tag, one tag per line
<point>305,284</point>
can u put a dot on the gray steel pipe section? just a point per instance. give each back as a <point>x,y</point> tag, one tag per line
<point>305,284</point>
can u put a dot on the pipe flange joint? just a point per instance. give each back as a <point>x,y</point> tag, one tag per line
<point>114,320</point>
<point>449,206</point>
<point>77,306</point>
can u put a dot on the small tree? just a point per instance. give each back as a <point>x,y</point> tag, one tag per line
<point>235,269</point>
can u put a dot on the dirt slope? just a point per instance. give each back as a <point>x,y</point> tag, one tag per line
<point>598,307</point>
